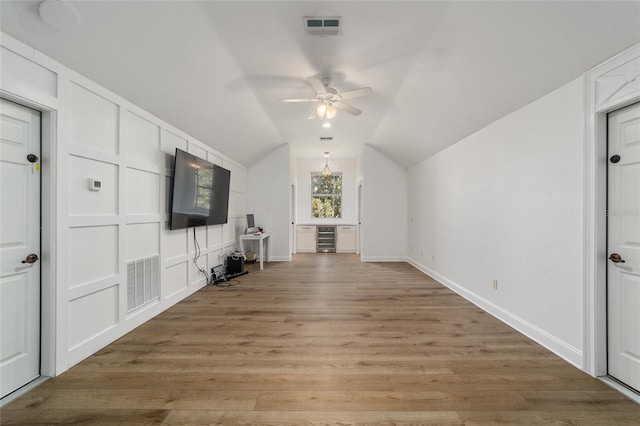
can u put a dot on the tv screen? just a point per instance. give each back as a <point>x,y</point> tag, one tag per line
<point>200,193</point>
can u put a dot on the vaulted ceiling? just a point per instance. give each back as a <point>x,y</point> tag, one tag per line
<point>439,70</point>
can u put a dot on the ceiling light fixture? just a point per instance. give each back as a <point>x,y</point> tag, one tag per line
<point>326,125</point>
<point>326,172</point>
<point>327,111</point>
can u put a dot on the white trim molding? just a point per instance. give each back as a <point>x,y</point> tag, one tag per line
<point>569,353</point>
<point>611,85</point>
<point>383,259</point>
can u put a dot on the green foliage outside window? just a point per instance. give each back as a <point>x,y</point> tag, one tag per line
<point>326,195</point>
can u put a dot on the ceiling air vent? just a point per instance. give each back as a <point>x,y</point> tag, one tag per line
<point>323,26</point>
<point>326,138</point>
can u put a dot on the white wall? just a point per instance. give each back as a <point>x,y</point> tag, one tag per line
<point>506,204</point>
<point>268,194</point>
<point>348,169</point>
<point>97,134</point>
<point>384,208</point>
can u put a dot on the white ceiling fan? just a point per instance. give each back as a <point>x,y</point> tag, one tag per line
<point>330,99</point>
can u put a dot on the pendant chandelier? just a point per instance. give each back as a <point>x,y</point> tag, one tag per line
<point>326,172</point>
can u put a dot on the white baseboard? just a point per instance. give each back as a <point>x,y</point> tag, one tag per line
<point>383,259</point>
<point>567,352</point>
<point>278,259</point>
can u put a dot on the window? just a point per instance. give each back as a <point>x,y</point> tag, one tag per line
<point>326,195</point>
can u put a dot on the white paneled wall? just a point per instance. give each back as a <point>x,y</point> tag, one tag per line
<point>98,130</point>
<point>93,254</point>
<point>143,240</point>
<point>92,203</point>
<point>101,307</point>
<point>99,135</point>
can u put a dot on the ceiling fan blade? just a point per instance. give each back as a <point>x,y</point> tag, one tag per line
<point>357,93</point>
<point>300,100</point>
<point>317,85</point>
<point>347,108</point>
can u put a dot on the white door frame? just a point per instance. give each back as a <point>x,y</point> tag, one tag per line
<point>292,220</point>
<point>359,218</point>
<point>48,223</point>
<point>610,86</point>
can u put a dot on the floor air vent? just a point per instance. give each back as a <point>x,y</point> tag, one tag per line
<point>143,282</point>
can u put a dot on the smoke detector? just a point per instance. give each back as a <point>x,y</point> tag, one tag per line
<point>323,25</point>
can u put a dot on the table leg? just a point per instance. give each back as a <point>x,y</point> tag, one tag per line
<point>261,243</point>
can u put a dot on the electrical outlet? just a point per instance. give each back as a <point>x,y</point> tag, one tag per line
<point>495,284</point>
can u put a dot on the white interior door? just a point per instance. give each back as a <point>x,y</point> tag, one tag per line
<point>19,243</point>
<point>623,271</point>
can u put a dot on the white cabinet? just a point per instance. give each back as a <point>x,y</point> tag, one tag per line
<point>305,239</point>
<point>346,239</point>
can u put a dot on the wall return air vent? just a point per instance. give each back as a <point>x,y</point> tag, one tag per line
<point>326,138</point>
<point>323,25</point>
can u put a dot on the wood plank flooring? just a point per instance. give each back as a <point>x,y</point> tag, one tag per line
<point>322,340</point>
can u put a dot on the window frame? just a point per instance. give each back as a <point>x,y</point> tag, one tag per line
<point>325,195</point>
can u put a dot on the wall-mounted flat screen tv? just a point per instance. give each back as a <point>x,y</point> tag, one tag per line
<point>200,194</point>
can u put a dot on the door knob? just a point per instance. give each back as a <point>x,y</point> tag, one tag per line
<point>32,258</point>
<point>616,258</point>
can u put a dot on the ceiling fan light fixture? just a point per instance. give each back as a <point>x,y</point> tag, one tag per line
<point>331,112</point>
<point>329,99</point>
<point>327,111</point>
<point>321,111</point>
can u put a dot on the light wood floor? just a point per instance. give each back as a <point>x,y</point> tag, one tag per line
<point>324,339</point>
